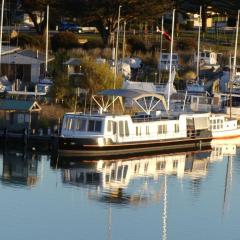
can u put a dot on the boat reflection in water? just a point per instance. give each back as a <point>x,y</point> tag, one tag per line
<point>114,181</point>
<point>20,168</point>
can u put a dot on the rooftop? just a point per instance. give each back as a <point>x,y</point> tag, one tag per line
<point>19,105</point>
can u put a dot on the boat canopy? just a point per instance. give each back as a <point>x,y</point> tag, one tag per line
<point>146,101</point>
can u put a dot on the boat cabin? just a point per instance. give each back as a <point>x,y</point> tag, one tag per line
<point>164,61</point>
<point>207,57</point>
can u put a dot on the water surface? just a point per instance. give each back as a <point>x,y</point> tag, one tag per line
<point>193,195</point>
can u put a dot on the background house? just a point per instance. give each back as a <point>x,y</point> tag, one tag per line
<point>25,65</point>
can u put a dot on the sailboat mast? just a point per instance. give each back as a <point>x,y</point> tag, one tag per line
<point>199,38</point>
<point>171,54</point>
<point>116,50</point>
<point>235,49</point>
<point>124,42</point>
<point>47,29</point>
<point>234,63</point>
<point>1,33</point>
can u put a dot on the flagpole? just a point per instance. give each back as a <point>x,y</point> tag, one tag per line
<point>171,53</point>
<point>199,38</point>
<point>161,43</point>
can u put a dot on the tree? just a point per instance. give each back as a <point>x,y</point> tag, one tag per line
<point>33,8</point>
<point>104,14</point>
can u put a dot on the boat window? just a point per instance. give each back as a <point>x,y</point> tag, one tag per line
<point>114,127</point>
<point>109,126</point>
<point>119,173</point>
<point>68,123</point>
<point>145,167</point>
<point>125,171</point>
<point>202,55</point>
<point>138,131</point>
<point>136,167</point>
<point>126,129</point>
<point>176,127</point>
<point>94,126</point>
<point>89,178</point>
<point>81,124</point>
<point>147,130</point>
<point>80,178</point>
<point>160,165</point>
<point>162,129</point>
<point>91,124</point>
<point>98,126</point>
<point>107,178</point>
<point>121,129</point>
<point>207,54</point>
<point>175,164</point>
<point>73,124</point>
<point>194,100</point>
<point>113,174</point>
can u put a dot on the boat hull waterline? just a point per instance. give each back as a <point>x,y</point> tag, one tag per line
<point>78,147</point>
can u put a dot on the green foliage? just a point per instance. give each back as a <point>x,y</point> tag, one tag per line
<point>64,40</point>
<point>136,45</point>
<point>97,76</point>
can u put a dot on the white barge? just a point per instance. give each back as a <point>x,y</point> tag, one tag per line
<point>104,134</point>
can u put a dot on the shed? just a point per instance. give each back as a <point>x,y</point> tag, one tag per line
<point>25,65</point>
<point>73,66</point>
<point>19,114</point>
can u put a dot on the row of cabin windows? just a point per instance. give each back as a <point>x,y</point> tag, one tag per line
<point>162,129</point>
<point>216,124</point>
<point>83,125</point>
<point>168,56</point>
<point>122,125</point>
<point>118,174</point>
<point>161,165</point>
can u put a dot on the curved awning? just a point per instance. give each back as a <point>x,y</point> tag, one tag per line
<point>129,93</point>
<point>147,101</point>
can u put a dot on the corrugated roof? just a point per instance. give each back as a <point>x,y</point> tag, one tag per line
<point>24,57</point>
<point>18,105</point>
<point>9,49</point>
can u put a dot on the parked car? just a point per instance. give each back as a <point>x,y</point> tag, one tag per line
<point>72,27</point>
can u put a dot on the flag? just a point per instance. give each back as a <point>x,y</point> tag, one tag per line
<point>165,34</point>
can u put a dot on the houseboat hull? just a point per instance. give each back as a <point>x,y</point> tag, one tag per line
<point>227,134</point>
<point>89,149</point>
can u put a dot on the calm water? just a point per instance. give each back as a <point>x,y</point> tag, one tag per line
<point>180,196</point>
